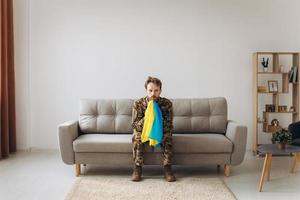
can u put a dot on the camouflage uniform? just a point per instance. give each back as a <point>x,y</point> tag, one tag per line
<point>138,114</point>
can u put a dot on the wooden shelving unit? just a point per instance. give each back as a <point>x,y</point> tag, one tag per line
<point>283,90</point>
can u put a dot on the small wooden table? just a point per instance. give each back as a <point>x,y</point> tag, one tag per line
<point>269,150</point>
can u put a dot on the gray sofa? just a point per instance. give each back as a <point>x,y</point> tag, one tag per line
<point>202,135</point>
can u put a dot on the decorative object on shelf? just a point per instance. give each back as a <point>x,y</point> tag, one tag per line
<point>293,74</point>
<point>273,86</point>
<point>275,122</point>
<point>281,68</point>
<point>261,89</point>
<point>281,138</point>
<point>259,120</point>
<point>292,109</point>
<point>270,107</point>
<point>273,129</point>
<point>265,64</point>
<point>282,108</point>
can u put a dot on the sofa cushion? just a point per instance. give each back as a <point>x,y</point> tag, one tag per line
<point>200,115</point>
<point>182,143</point>
<point>105,115</point>
<point>201,143</point>
<point>112,143</point>
<point>103,143</point>
<point>189,115</point>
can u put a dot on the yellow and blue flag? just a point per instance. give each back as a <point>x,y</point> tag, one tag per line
<point>153,125</point>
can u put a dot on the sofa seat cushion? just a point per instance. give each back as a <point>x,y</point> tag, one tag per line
<point>182,143</point>
<point>201,143</point>
<point>106,143</point>
<point>103,143</point>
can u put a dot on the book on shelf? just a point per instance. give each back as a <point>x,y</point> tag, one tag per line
<point>295,77</point>
<point>293,74</point>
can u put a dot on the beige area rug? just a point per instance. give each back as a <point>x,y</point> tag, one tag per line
<point>96,188</point>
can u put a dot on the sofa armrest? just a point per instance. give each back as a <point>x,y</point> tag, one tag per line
<point>67,133</point>
<point>238,135</point>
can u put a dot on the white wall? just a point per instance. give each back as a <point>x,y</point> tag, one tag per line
<point>106,49</point>
<point>21,28</point>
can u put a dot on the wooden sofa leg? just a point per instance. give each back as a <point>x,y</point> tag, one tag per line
<point>77,169</point>
<point>226,170</point>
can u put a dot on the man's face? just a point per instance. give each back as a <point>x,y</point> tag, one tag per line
<point>153,91</point>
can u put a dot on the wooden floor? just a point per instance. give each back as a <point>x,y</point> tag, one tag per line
<point>42,175</point>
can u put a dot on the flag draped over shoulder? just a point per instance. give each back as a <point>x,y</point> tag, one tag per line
<point>153,124</point>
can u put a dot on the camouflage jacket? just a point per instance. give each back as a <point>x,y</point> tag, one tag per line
<point>138,113</point>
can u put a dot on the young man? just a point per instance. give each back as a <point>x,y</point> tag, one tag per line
<point>153,89</point>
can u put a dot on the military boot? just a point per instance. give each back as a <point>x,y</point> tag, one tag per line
<point>137,173</point>
<point>169,174</point>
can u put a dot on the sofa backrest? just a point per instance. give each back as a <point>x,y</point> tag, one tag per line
<point>200,115</point>
<point>189,115</point>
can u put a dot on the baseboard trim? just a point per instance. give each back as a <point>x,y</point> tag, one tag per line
<point>37,149</point>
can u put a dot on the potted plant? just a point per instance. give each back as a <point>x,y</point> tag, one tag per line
<point>281,138</point>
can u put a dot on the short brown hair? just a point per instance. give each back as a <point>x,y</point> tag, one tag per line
<point>154,80</point>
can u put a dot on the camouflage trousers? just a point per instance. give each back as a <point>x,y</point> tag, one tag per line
<point>137,148</point>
